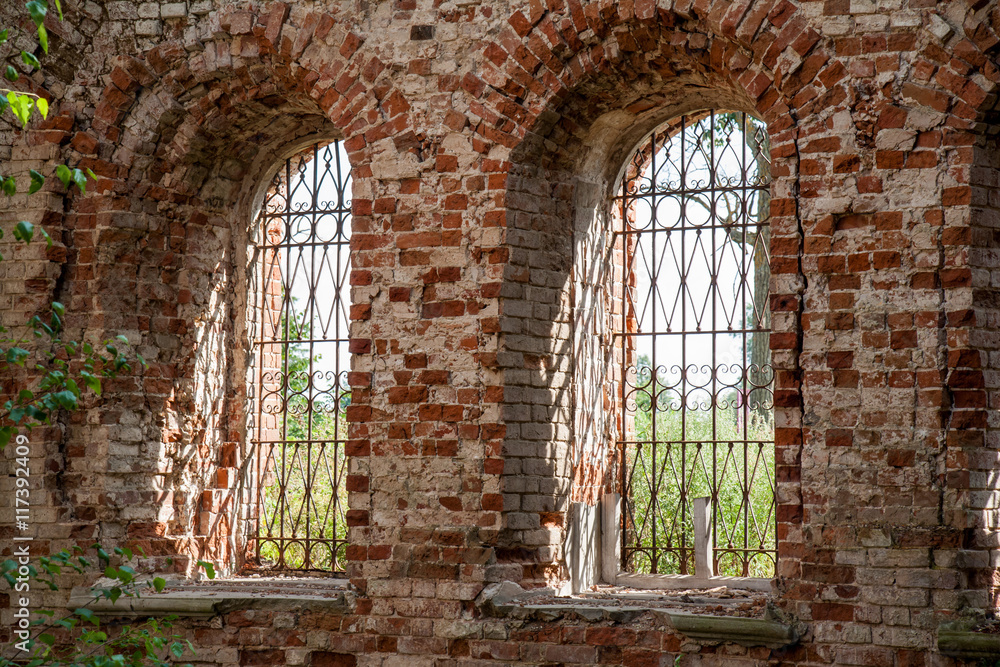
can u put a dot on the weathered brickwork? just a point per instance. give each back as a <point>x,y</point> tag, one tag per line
<point>486,139</point>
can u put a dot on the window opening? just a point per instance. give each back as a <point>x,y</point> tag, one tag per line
<point>691,336</point>
<point>300,263</point>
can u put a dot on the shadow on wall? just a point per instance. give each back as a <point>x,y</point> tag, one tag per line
<point>208,174</point>
<point>972,459</point>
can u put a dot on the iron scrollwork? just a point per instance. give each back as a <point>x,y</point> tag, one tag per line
<point>692,343</point>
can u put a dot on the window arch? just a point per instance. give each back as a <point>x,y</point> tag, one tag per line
<point>299,268</point>
<point>690,328</point>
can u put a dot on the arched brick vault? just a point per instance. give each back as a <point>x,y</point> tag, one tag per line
<point>573,110</point>
<point>549,79</point>
<point>182,142</point>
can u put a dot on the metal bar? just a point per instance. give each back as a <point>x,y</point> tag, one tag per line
<point>302,501</point>
<point>703,167</point>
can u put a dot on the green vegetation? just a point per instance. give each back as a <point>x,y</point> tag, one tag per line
<point>49,374</point>
<point>63,368</point>
<point>76,639</point>
<point>306,497</point>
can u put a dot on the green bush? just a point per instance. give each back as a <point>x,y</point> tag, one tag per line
<point>76,639</point>
<point>723,452</point>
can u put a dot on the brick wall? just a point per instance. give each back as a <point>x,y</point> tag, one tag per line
<point>485,138</point>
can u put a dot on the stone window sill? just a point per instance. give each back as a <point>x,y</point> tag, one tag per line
<point>209,598</point>
<point>688,582</point>
<point>958,641</point>
<point>721,613</point>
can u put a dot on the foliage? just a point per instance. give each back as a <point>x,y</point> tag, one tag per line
<point>63,366</point>
<point>76,639</point>
<point>66,368</point>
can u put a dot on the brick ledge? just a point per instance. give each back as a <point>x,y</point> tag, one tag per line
<point>699,626</point>
<point>736,629</point>
<point>209,598</point>
<point>509,600</point>
<point>687,581</point>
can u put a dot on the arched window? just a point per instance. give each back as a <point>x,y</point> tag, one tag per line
<point>691,342</point>
<point>299,266</point>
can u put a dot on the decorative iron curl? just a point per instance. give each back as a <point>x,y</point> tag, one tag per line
<point>636,380</point>
<point>765,371</point>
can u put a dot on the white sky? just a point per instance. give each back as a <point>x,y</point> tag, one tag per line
<point>318,269</point>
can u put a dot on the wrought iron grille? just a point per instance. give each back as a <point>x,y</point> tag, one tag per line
<point>691,332</point>
<point>300,263</point>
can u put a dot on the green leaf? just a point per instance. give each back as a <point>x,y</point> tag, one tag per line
<point>159,583</point>
<point>17,355</point>
<point>9,187</point>
<point>38,9</point>
<point>3,36</point>
<point>47,639</point>
<point>25,395</point>
<point>10,73</point>
<point>94,637</point>
<point>59,8</point>
<point>66,399</point>
<point>36,414</point>
<point>92,381</point>
<point>24,231</point>
<point>43,106</point>
<point>6,433</point>
<point>37,181</point>
<point>30,60</point>
<point>64,174</point>
<point>20,106</point>
<point>87,615</point>
<point>177,649</point>
<point>209,568</point>
<point>45,235</point>
<point>80,179</point>
<point>110,572</point>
